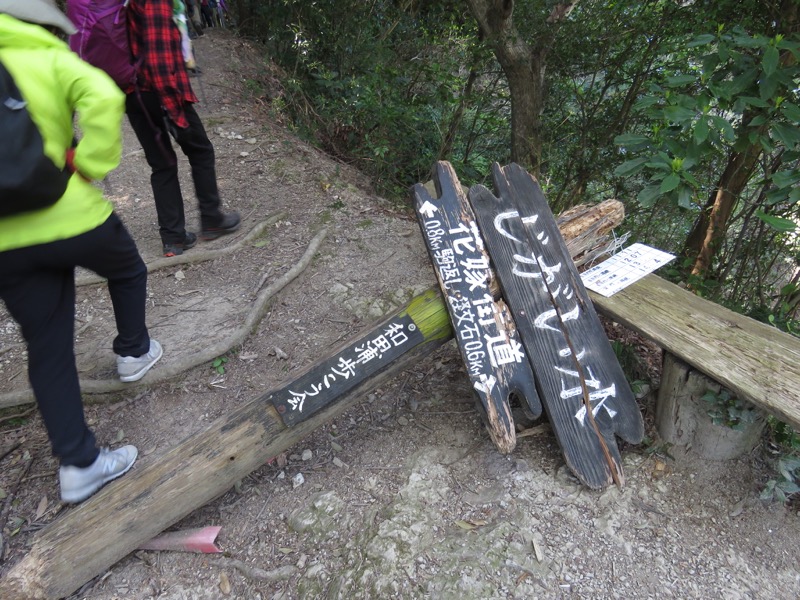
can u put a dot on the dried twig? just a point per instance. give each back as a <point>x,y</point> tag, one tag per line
<point>9,449</point>
<point>279,574</point>
<point>21,415</point>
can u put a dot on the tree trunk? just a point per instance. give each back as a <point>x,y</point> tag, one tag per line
<point>712,225</point>
<point>524,66</point>
<point>455,121</point>
<point>710,228</point>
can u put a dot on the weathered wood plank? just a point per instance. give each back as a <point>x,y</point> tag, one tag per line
<point>485,332</point>
<point>753,360</point>
<point>581,384</point>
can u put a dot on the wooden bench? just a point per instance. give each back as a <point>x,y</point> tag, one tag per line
<point>708,347</point>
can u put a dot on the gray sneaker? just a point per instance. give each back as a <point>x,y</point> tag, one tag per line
<point>78,484</point>
<point>133,368</point>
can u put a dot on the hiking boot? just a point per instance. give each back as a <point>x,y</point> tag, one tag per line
<point>77,483</point>
<point>230,222</point>
<point>176,249</point>
<point>133,368</point>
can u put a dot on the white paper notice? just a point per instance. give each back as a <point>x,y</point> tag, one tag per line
<point>622,269</point>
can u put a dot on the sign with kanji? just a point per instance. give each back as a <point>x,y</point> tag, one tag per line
<point>484,329</point>
<point>346,369</point>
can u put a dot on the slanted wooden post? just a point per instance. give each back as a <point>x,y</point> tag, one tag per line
<point>581,384</point>
<point>484,328</point>
<point>160,491</point>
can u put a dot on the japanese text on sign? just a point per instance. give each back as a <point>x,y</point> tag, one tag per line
<point>565,308</point>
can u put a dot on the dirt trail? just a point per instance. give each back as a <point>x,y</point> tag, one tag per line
<point>404,496</point>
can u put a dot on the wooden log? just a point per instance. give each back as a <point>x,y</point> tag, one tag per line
<point>161,490</point>
<point>485,332</point>
<point>582,386</point>
<point>683,419</point>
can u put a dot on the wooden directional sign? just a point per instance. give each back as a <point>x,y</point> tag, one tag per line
<point>580,381</point>
<point>335,376</point>
<point>493,354</point>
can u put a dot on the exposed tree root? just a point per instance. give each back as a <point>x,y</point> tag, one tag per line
<point>195,256</point>
<point>235,338</point>
<point>279,574</point>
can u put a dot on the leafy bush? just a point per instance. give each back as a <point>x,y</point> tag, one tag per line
<point>728,410</point>
<point>783,488</point>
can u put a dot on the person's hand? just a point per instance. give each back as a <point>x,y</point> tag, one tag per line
<point>171,127</point>
<point>71,164</point>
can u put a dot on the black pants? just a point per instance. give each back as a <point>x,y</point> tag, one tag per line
<point>37,285</point>
<point>155,140</point>
<point>208,15</point>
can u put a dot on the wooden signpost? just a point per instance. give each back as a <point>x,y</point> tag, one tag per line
<point>484,329</point>
<point>581,384</point>
<point>339,373</point>
<point>161,490</point>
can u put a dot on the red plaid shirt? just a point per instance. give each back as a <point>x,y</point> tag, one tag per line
<point>156,41</point>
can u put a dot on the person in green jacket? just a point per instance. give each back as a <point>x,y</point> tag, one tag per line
<point>40,249</point>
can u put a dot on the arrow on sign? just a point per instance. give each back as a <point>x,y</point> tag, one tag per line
<point>427,209</point>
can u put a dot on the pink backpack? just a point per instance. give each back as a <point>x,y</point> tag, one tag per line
<point>102,38</point>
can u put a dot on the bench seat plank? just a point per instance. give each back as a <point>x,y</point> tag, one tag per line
<point>753,360</point>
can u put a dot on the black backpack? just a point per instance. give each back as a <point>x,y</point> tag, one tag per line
<point>29,180</point>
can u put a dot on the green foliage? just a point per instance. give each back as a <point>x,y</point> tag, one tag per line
<point>727,410</point>
<point>785,444</point>
<point>383,86</point>
<point>218,364</point>
<point>786,439</point>
<point>786,485</point>
<point>631,364</point>
<point>733,95</point>
<point>783,317</point>
<point>392,87</point>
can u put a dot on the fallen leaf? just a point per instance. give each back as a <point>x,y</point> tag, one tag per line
<point>537,551</point>
<point>42,508</point>
<point>224,583</point>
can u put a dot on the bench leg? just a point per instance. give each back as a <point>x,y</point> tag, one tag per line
<point>683,419</point>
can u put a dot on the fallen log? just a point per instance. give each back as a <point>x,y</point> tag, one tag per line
<point>161,490</point>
